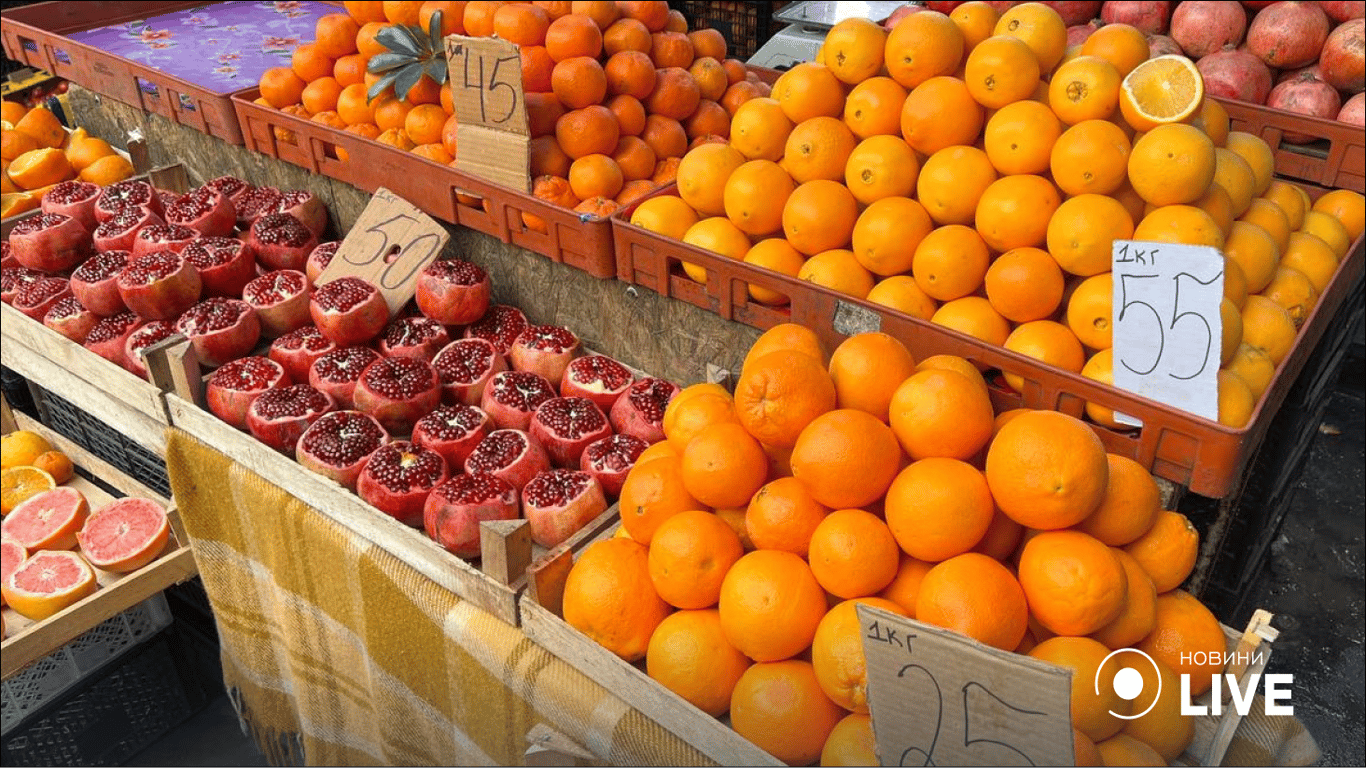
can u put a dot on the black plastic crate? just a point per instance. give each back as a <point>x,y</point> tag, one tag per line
<point>103,441</point>
<point>745,25</point>
<point>16,392</point>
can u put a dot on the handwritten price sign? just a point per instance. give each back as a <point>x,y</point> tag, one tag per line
<point>1168,330</point>
<point>490,108</point>
<point>939,698</point>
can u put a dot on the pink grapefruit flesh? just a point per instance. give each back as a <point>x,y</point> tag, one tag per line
<point>48,520</point>
<point>48,582</point>
<point>12,554</point>
<point>125,534</point>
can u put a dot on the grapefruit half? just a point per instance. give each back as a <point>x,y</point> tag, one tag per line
<point>125,534</point>
<point>12,554</point>
<point>49,520</point>
<point>47,582</point>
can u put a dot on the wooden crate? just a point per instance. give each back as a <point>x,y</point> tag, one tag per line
<point>27,641</point>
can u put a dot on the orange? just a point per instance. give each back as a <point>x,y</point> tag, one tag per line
<point>790,336</point>
<point>654,14</point>
<point>1120,44</point>
<point>709,43</point>
<point>56,464</point>
<point>452,16</point>
<point>818,148</point>
<point>689,655</point>
<point>1130,506</point>
<point>851,742</point>
<point>881,166</point>
<point>1084,750</point>
<point>521,24</point>
<point>703,174</point>
<point>711,81</point>
<point>1287,197</point>
<point>1233,173</point>
<point>1293,290</point>
<point>902,294</point>
<point>547,159</point>
<point>723,467</point>
<point>1047,341</point>
<point>854,49</point>
<point>951,182</point>
<point>1218,205</point>
<point>1310,255</point>
<point>1040,27</point>
<point>976,596</point>
<point>1187,638</point>
<point>1139,615</point>
<point>1270,218</point>
<point>941,413</point>
<point>873,107</point>
<point>1002,537</point>
<point>543,112</point>
<point>920,48</point>
<point>976,20</point>
<point>938,508</point>
<point>1328,229</point>
<point>595,176</point>
<point>1167,551</point>
<point>309,62</point>
<point>578,82</point>
<point>739,93</point>
<point>1159,722</point>
<point>1097,708</point>
<point>819,216</point>
<point>846,458</point>
<point>43,127</point>
<point>891,233</point>
<point>1213,120</point>
<point>1081,231</point>
<point>718,235</point>
<point>1347,207</point>
<point>1090,157</point>
<point>1122,749</point>
<point>1019,137</point>
<point>1235,282</point>
<point>689,556</point>
<point>1075,585</point>
<point>634,157</point>
<point>570,36</point>
<point>632,191</point>
<point>630,73</point>
<point>939,113</point>
<point>84,152</point>
<point>1162,91</point>
<point>1232,335</point>
<point>626,35</point>
<point>40,168</point>
<point>603,12</point>
<point>686,417</point>
<point>1268,327</point>
<point>1090,313</point>
<point>771,605</point>
<point>21,483</point>
<point>866,369</point>
<point>781,392</point>
<point>12,111</point>
<point>837,653</point>
<point>809,90</point>
<point>759,129</point>
<point>321,95</point>
<point>775,254</point>
<point>974,316</point>
<point>905,586</point>
<point>853,554</point>
<point>1014,211</point>
<point>403,12</point>
<point>478,17</point>
<point>1180,224</point>
<point>781,708</point>
<point>1047,470</point>
<point>1172,164</point>
<point>434,152</point>
<point>22,448</point>
<point>107,170</point>
<point>783,515</point>
<point>352,106</point>
<point>666,215</point>
<point>838,270</point>
<point>950,262</point>
<point>1085,88</point>
<point>1257,153</point>
<point>16,143</point>
<point>1252,365</point>
<point>671,49</point>
<point>391,113</point>
<point>653,492</point>
<point>1101,368</point>
<point>1000,70</point>
<point>609,597</point>
<point>335,34</point>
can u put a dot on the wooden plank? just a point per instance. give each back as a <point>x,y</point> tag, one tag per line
<point>545,577</point>
<point>504,548</point>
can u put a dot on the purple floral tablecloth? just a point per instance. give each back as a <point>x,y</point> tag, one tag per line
<point>222,47</point>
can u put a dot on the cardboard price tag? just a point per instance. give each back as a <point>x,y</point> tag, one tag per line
<point>939,698</point>
<point>490,109</point>
<point>389,246</point>
<point>1168,330</point>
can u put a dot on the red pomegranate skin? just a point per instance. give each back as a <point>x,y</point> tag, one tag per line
<point>511,397</point>
<point>1163,45</point>
<point>1353,112</point>
<point>225,264</point>
<point>1148,17</point>
<point>49,242</point>
<point>566,426</point>
<point>544,350</point>
<point>163,237</point>
<point>70,319</point>
<point>297,350</point>
<point>1288,34</point>
<point>1074,12</point>
<point>1343,60</point>
<point>1235,74</point>
<point>279,417</point>
<point>281,298</point>
<point>1202,27</point>
<point>253,204</point>
<point>453,292</point>
<point>348,311</point>
<point>130,193</point>
<point>610,459</point>
<point>465,367</point>
<point>319,258</point>
<point>418,337</point>
<point>159,286</point>
<point>558,502</point>
<point>75,199</point>
<point>398,391</point>
<point>598,378</point>
<point>233,386</point>
<point>501,325</point>
<point>1306,95</point>
<point>141,339</point>
<point>456,507</point>
<point>452,431</point>
<point>205,210</point>
<point>36,298</point>
<point>281,241</point>
<point>509,454</point>
<point>220,329</point>
<point>640,412</point>
<point>337,372</point>
<point>1343,10</point>
<point>399,477</point>
<point>95,284</point>
<point>306,207</point>
<point>120,232</point>
<point>109,335</point>
<point>13,279</point>
<point>339,444</point>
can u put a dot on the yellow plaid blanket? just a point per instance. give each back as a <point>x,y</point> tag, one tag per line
<point>336,652</point>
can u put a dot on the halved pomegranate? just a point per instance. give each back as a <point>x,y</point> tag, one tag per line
<point>558,502</point>
<point>205,210</point>
<point>565,426</point>
<point>418,337</point>
<point>297,350</point>
<point>162,237</point>
<point>75,199</point>
<point>167,198</point>
<point>69,318</point>
<point>509,454</point>
<point>501,325</point>
<point>225,264</point>
<point>452,431</point>
<point>159,286</point>
<point>640,411</point>
<point>398,478</point>
<point>337,372</point>
<point>120,232</point>
<point>255,203</point>
<point>305,207</point>
<point>281,300</point>
<point>453,291</point>
<point>109,335</point>
<point>141,339</point>
<point>279,417</point>
<point>465,367</point>
<point>349,310</point>
<point>127,194</point>
<point>13,280</point>
<point>7,260</point>
<point>95,282</point>
<point>610,460</point>
<point>339,444</point>
<point>319,259</point>
<point>281,241</point>
<point>39,296</point>
<point>231,187</point>
<point>512,396</point>
<point>233,386</point>
<point>456,507</point>
<point>596,377</point>
<point>220,329</point>
<point>49,242</point>
<point>545,350</point>
<point>398,391</point>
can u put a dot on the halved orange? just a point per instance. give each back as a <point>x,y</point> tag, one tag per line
<point>1167,89</point>
<point>18,484</point>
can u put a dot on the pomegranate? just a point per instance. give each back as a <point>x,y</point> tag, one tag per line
<point>609,459</point>
<point>1202,27</point>
<point>1148,16</point>
<point>545,350</point>
<point>75,199</point>
<point>501,325</point>
<point>349,310</point>
<point>162,237</point>
<point>127,194</point>
<point>280,416</point>
<point>640,411</point>
<point>141,339</point>
<point>465,367</point>
<point>225,264</point>
<point>220,329</point>
<point>456,507</point>
<point>906,10</point>
<point>305,207</point>
<point>50,242</point>
<point>1078,33</point>
<point>1305,95</point>
<point>319,259</point>
<point>1354,110</point>
<point>7,259</point>
<point>281,300</point>
<point>95,282</point>
<point>109,335</point>
<point>39,296</point>
<point>398,391</point>
<point>230,187</point>
<point>1312,70</point>
<point>453,292</point>
<point>511,397</point>
<point>452,431</point>
<point>281,241</point>
<point>167,198</point>
<point>1344,57</point>
<point>398,478</point>
<point>1235,74</point>
<point>119,232</point>
<point>1343,10</point>
<point>1288,34</point>
<point>253,203</point>
<point>205,210</point>
<point>509,454</point>
<point>596,377</point>
<point>70,319</point>
<point>235,384</point>
<point>565,426</point>
<point>1074,12</point>
<point>13,280</point>
<point>297,350</point>
<point>338,445</point>
<point>419,337</point>
<point>558,502</point>
<point>159,286</point>
<point>337,372</point>
<point>1162,45</point>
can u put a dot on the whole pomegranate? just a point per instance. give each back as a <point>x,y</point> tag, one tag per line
<point>1148,16</point>
<point>456,507</point>
<point>1343,60</point>
<point>1202,27</point>
<point>1235,74</point>
<point>1353,112</point>
<point>453,292</point>
<point>1343,10</point>
<point>1305,95</point>
<point>1288,34</point>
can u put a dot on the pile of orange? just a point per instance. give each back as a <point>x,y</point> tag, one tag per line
<point>749,534</point>
<point>972,170</point>
<point>616,92</point>
<point>37,152</point>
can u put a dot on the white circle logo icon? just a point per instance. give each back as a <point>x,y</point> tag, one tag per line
<point>1128,682</point>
